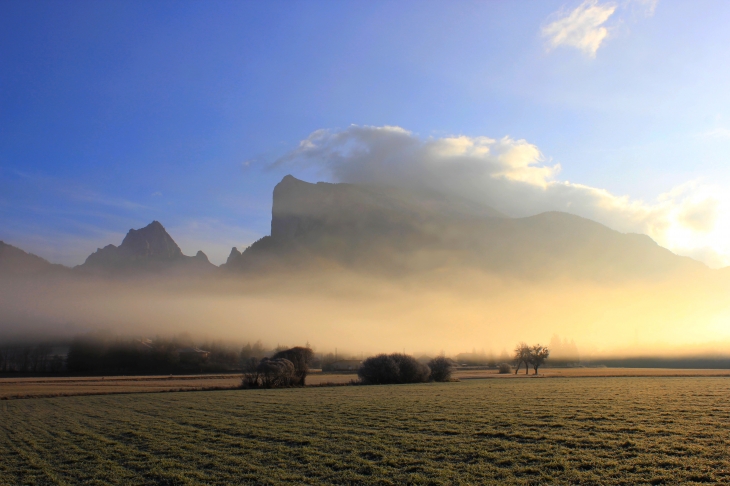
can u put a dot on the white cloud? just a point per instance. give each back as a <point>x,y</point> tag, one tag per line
<point>514,177</point>
<point>582,28</point>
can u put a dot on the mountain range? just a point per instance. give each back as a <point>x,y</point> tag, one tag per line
<point>390,230</point>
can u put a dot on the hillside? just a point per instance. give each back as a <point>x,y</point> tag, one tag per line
<point>14,261</point>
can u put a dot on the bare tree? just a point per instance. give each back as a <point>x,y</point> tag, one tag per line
<point>538,355</point>
<point>522,355</point>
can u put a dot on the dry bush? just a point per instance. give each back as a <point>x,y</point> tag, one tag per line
<point>268,373</point>
<point>301,358</point>
<point>276,372</point>
<point>505,368</point>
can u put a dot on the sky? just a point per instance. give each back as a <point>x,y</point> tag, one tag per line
<point>114,114</point>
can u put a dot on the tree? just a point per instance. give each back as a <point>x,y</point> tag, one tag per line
<point>441,368</point>
<point>538,355</point>
<point>300,358</point>
<point>522,355</point>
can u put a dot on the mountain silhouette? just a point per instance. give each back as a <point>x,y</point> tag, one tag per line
<point>14,261</point>
<point>148,248</point>
<point>390,230</point>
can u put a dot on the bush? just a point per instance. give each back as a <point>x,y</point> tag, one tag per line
<point>395,368</point>
<point>505,368</point>
<point>441,368</point>
<point>251,378</point>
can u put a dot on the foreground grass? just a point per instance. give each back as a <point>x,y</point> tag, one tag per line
<point>572,431</point>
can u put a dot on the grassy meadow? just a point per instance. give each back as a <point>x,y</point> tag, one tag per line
<point>529,431</point>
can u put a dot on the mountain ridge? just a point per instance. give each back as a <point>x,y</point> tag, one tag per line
<point>386,229</point>
<point>15,261</point>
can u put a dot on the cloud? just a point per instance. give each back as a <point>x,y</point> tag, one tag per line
<point>514,177</point>
<point>582,28</point>
<point>700,216</point>
<point>645,7</point>
<point>717,133</point>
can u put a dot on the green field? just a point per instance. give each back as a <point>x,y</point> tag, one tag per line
<point>563,431</point>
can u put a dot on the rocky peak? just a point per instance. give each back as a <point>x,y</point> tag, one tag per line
<point>150,247</point>
<point>152,241</point>
<point>234,256</point>
<point>300,207</point>
<point>201,257</point>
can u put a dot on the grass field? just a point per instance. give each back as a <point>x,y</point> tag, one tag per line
<point>23,387</point>
<point>529,431</point>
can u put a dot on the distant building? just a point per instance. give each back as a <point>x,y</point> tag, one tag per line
<point>345,365</point>
<point>192,354</point>
<point>144,345</point>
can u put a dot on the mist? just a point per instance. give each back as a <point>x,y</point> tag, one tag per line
<point>437,311</point>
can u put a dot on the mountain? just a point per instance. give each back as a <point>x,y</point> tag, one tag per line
<point>384,229</point>
<point>392,231</point>
<point>14,261</point>
<point>149,248</point>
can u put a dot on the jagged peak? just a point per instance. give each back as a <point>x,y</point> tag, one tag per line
<point>152,240</point>
<point>233,257</point>
<point>200,255</point>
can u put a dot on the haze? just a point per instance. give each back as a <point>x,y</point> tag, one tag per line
<point>494,174</point>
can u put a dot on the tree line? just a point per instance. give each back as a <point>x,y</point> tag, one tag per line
<point>282,366</point>
<point>30,359</point>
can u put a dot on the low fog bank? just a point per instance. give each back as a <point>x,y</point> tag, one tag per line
<point>430,313</point>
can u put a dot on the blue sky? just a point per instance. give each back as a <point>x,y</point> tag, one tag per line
<point>114,114</point>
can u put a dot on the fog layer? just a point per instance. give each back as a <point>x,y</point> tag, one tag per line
<point>430,312</point>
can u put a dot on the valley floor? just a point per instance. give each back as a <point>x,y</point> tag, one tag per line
<point>621,430</point>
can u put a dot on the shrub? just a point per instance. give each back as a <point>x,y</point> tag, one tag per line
<point>386,369</point>
<point>251,378</point>
<point>505,368</point>
<point>441,368</point>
